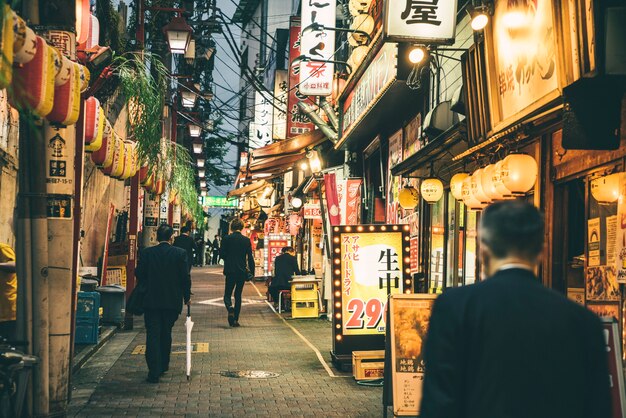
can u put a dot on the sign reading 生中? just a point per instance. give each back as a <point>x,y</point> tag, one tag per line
<point>318,45</point>
<point>219,202</point>
<point>424,21</point>
<point>369,262</point>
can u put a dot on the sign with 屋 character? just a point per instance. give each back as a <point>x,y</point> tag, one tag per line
<point>370,262</point>
<point>318,45</point>
<point>424,21</point>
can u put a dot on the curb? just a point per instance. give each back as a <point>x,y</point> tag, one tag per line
<point>81,358</point>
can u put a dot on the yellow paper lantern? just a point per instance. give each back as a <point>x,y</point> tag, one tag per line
<point>456,184</point>
<point>498,183</point>
<point>606,189</point>
<point>358,55</point>
<point>487,182</point>
<point>6,46</point>
<point>477,187</point>
<point>519,173</point>
<point>432,190</point>
<point>468,198</point>
<point>408,197</point>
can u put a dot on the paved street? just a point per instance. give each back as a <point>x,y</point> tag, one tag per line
<point>112,382</point>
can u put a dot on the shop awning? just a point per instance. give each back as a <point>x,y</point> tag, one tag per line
<point>274,164</point>
<point>289,147</point>
<point>247,189</point>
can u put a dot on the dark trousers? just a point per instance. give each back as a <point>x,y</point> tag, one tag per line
<point>236,284</point>
<point>159,323</point>
<point>275,290</point>
<point>216,257</point>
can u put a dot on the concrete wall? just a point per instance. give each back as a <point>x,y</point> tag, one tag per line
<point>9,134</point>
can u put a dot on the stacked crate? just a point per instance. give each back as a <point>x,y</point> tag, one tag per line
<point>87,318</point>
<point>304,300</point>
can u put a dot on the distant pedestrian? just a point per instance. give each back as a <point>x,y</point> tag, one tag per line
<point>187,243</point>
<point>8,292</point>
<point>285,266</point>
<point>215,250</point>
<point>200,251</point>
<point>236,251</point>
<point>508,346</point>
<point>164,271</point>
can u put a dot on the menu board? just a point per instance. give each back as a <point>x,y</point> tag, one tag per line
<point>409,316</point>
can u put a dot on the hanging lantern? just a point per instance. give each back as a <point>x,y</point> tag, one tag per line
<point>456,184</point>
<point>6,47</point>
<point>149,183</point>
<point>66,107</point>
<point>606,189</point>
<point>178,34</point>
<point>408,197</point>
<point>194,130</point>
<point>432,190</point>
<point>361,22</point>
<point>159,187</point>
<point>477,187</point>
<point>63,67</point>
<point>116,168</point>
<point>357,7</point>
<point>358,55</point>
<point>200,162</point>
<point>94,33</point>
<point>498,184</point>
<point>85,76</point>
<point>83,21</point>
<point>487,182</point>
<point>104,155</point>
<point>143,174</point>
<point>468,198</point>
<point>25,43</point>
<point>188,98</point>
<point>33,85</point>
<point>128,160</point>
<point>519,173</point>
<point>93,124</point>
<point>190,52</point>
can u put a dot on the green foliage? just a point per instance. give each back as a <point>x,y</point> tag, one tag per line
<point>183,180</point>
<point>112,31</point>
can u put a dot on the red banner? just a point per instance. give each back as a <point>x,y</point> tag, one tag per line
<point>297,122</point>
<point>332,200</point>
<point>414,246</point>
<point>352,208</point>
<point>274,248</point>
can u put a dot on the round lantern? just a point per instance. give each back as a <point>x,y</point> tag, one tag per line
<point>66,107</point>
<point>432,190</point>
<point>94,33</point>
<point>127,171</point>
<point>6,46</point>
<point>63,67</point>
<point>408,197</point>
<point>519,173</point>
<point>498,183</point>
<point>85,76</point>
<point>606,189</point>
<point>456,184</point>
<point>477,187</point>
<point>83,21</point>
<point>468,197</point>
<point>364,23</point>
<point>358,55</point>
<point>357,7</point>
<point>143,174</point>
<point>25,46</point>
<point>116,168</point>
<point>487,182</point>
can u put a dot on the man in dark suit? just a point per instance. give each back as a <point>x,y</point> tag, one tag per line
<point>236,251</point>
<point>285,266</point>
<point>164,271</point>
<point>187,243</point>
<point>508,347</point>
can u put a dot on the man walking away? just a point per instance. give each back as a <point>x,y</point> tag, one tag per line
<point>164,271</point>
<point>285,266</point>
<point>187,243</point>
<point>236,251</point>
<point>215,250</point>
<point>508,346</point>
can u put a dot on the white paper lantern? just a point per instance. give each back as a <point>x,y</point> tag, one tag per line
<point>519,173</point>
<point>487,182</point>
<point>456,184</point>
<point>477,187</point>
<point>498,184</point>
<point>432,190</point>
<point>606,189</point>
<point>468,198</point>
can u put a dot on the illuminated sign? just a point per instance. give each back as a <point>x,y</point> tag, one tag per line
<point>297,121</point>
<point>218,202</point>
<point>281,92</point>
<point>423,21</point>
<point>273,245</point>
<point>261,129</point>
<point>317,44</point>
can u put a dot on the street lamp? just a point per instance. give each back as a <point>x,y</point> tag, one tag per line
<point>197,148</point>
<point>188,98</point>
<point>201,173</point>
<point>194,130</point>
<point>417,55</point>
<point>200,162</point>
<point>202,184</point>
<point>314,161</point>
<point>480,17</point>
<point>190,53</point>
<point>178,34</point>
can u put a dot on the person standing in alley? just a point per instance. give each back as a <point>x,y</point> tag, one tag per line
<point>164,272</point>
<point>8,292</point>
<point>236,251</point>
<point>215,250</point>
<point>285,266</point>
<point>187,243</point>
<point>508,346</point>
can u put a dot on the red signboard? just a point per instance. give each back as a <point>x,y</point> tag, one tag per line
<point>312,210</point>
<point>414,246</point>
<point>297,122</point>
<point>274,248</point>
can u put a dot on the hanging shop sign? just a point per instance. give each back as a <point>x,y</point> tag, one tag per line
<point>312,210</point>
<point>369,263</point>
<point>394,183</point>
<point>332,198</point>
<point>349,197</point>
<point>218,202</point>
<point>273,244</point>
<point>412,136</point>
<point>426,22</point>
<point>261,129</point>
<point>318,45</point>
<point>409,316</point>
<point>59,159</point>
<point>524,71</point>
<point>151,210</point>
<point>378,76</point>
<point>164,207</point>
<point>297,121</point>
<point>281,92</point>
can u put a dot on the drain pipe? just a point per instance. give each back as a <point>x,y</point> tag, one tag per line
<point>317,120</point>
<point>330,112</point>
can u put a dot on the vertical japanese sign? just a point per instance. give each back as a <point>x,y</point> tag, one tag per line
<point>273,244</point>
<point>349,197</point>
<point>593,242</point>
<point>164,209</point>
<point>297,122</point>
<point>151,210</point>
<point>318,45</point>
<point>261,129</point>
<point>281,92</point>
<point>410,316</point>
<point>620,250</point>
<point>176,218</point>
<point>394,183</point>
<point>425,21</point>
<point>59,170</point>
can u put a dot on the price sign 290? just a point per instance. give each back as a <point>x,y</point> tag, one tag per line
<point>365,314</point>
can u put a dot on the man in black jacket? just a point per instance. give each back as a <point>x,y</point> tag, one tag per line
<point>508,346</point>
<point>236,251</point>
<point>285,266</point>
<point>164,272</point>
<point>187,243</point>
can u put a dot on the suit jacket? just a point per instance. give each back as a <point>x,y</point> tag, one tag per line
<point>286,266</point>
<point>508,347</point>
<point>163,270</point>
<point>188,244</point>
<point>236,251</point>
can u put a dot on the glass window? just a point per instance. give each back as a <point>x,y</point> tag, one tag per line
<point>437,241</point>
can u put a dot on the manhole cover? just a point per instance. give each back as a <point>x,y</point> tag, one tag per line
<point>249,374</point>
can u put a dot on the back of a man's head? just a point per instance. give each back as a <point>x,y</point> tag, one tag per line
<point>184,230</point>
<point>512,228</point>
<point>164,233</point>
<point>236,225</point>
<point>288,250</point>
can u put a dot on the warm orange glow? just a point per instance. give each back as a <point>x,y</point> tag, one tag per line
<point>337,283</point>
<point>337,304</point>
<point>338,337</point>
<point>371,227</point>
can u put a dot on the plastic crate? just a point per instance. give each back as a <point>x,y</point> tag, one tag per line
<point>304,291</point>
<point>86,332</point>
<point>88,305</point>
<point>367,365</point>
<point>304,308</point>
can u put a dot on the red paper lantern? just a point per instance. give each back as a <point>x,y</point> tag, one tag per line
<point>83,21</point>
<point>66,107</point>
<point>104,156</point>
<point>116,168</point>
<point>93,124</point>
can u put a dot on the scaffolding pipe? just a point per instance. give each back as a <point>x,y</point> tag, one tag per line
<point>317,121</point>
<point>330,112</point>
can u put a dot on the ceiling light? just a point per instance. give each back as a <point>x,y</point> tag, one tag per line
<point>480,17</point>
